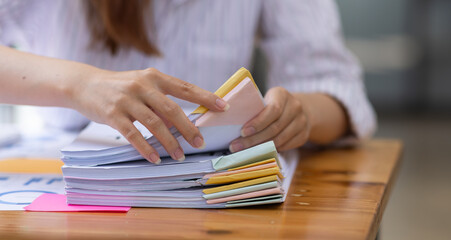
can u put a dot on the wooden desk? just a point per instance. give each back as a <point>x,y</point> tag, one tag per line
<point>335,194</point>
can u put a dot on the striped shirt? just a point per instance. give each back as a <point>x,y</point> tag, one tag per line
<point>204,42</point>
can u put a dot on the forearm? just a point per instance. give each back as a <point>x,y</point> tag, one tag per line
<point>328,119</point>
<point>114,98</point>
<point>35,80</point>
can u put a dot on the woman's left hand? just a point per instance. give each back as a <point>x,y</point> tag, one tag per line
<point>285,120</point>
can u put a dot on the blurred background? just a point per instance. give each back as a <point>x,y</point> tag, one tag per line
<point>405,49</point>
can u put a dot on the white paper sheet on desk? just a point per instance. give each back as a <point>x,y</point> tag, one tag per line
<point>19,190</point>
<point>217,128</point>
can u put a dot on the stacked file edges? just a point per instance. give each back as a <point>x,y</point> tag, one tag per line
<point>249,177</point>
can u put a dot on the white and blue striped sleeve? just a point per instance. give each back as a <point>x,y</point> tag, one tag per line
<point>303,43</point>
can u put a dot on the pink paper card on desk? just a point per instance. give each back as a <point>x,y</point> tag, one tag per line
<point>57,203</point>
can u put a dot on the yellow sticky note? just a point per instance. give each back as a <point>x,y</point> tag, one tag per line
<point>243,176</point>
<point>241,184</point>
<point>31,165</point>
<point>253,164</point>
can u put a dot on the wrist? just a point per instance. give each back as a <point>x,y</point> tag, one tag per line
<point>328,120</point>
<point>79,80</point>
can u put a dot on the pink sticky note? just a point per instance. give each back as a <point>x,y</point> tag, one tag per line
<point>57,203</point>
<point>245,103</point>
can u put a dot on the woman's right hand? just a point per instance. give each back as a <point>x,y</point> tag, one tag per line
<point>113,98</point>
<point>120,98</point>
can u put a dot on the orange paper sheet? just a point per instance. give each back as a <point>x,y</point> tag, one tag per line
<point>31,165</point>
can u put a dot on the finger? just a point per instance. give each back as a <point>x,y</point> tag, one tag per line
<point>129,131</point>
<point>172,112</point>
<point>291,131</point>
<point>297,141</point>
<point>192,93</point>
<point>157,127</point>
<point>275,106</point>
<point>265,135</point>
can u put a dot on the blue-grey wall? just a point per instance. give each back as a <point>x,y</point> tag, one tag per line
<point>405,45</point>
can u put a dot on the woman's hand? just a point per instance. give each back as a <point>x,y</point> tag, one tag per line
<point>113,98</point>
<point>285,120</point>
<point>120,98</point>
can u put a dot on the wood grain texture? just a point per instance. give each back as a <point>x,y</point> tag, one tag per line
<point>335,194</point>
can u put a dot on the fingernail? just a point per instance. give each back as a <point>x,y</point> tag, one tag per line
<point>236,146</point>
<point>198,142</point>
<point>154,158</point>
<point>178,155</point>
<point>220,103</point>
<point>247,131</point>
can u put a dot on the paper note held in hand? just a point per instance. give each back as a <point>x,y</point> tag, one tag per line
<point>245,102</point>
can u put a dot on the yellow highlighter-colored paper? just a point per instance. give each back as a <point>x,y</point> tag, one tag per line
<point>243,176</point>
<point>234,80</point>
<point>250,169</point>
<point>31,165</point>
<point>254,164</point>
<point>241,184</point>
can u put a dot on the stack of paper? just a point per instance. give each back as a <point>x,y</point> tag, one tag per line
<point>102,168</point>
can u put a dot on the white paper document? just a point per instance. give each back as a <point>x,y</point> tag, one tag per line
<point>19,190</point>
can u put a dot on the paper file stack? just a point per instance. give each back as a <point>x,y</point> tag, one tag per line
<point>101,168</point>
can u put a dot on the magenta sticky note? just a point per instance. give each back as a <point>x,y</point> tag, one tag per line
<point>57,203</point>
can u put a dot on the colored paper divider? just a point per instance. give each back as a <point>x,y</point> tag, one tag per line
<point>242,190</point>
<point>253,164</point>
<point>243,176</point>
<point>250,169</point>
<point>254,203</point>
<point>241,184</point>
<point>260,193</point>
<point>276,196</point>
<point>255,154</point>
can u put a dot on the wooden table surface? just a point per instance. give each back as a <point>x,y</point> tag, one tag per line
<point>335,194</point>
